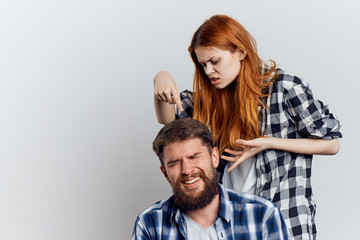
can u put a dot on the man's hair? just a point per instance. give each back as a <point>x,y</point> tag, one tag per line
<point>181,130</point>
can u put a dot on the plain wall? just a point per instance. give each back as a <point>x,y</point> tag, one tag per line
<point>76,105</point>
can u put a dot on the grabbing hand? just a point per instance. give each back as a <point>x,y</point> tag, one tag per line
<point>247,149</point>
<point>166,90</point>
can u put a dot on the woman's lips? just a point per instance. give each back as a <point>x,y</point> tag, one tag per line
<point>214,81</point>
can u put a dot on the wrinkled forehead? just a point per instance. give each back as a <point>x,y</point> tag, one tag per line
<point>184,148</point>
<point>206,53</point>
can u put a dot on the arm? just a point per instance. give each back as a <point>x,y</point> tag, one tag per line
<point>166,94</point>
<point>301,146</point>
<point>315,122</point>
<point>140,232</point>
<point>274,226</point>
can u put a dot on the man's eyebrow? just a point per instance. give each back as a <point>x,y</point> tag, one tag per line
<point>172,161</point>
<point>195,155</point>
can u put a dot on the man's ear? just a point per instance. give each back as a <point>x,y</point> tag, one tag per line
<point>215,157</point>
<point>165,173</point>
<point>242,54</point>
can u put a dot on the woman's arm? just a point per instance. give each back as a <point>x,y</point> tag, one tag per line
<point>165,112</point>
<point>166,94</point>
<point>301,146</point>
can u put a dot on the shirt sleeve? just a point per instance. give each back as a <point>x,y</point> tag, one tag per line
<point>140,232</point>
<point>275,227</point>
<point>186,97</point>
<point>313,117</point>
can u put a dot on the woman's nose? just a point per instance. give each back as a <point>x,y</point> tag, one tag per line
<point>208,69</point>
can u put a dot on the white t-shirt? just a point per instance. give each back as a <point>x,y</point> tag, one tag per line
<point>242,178</point>
<point>194,231</point>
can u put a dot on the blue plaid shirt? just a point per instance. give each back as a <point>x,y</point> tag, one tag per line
<point>240,216</point>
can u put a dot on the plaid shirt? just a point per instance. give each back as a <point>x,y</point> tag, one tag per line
<point>240,216</point>
<point>284,177</point>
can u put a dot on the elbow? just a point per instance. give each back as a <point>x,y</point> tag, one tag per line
<point>160,120</point>
<point>335,147</point>
<point>163,120</point>
<point>160,74</point>
<point>335,150</point>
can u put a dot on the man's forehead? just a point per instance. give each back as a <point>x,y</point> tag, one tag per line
<point>183,148</point>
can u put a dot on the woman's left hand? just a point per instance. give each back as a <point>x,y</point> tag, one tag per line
<point>248,148</point>
<point>301,146</point>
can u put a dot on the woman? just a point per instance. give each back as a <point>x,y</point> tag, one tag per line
<point>263,120</point>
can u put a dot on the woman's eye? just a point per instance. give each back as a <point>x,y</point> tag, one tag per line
<point>215,62</point>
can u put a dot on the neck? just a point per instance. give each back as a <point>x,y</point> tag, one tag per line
<point>206,216</point>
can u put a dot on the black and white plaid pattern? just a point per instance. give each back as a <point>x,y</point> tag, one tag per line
<point>284,177</point>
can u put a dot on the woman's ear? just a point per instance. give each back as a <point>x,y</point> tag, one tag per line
<point>242,54</point>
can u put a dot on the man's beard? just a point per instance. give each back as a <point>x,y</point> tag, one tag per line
<point>188,202</point>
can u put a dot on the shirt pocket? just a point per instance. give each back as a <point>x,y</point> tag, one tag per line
<point>274,165</point>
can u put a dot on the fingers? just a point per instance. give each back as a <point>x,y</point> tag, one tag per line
<point>233,152</point>
<point>163,96</point>
<point>229,158</point>
<point>178,101</point>
<point>238,156</point>
<point>168,96</point>
<point>172,97</point>
<point>235,164</point>
<point>235,155</point>
<point>165,89</point>
<point>249,148</point>
<point>243,143</point>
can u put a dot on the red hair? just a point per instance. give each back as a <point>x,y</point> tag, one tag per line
<point>232,112</point>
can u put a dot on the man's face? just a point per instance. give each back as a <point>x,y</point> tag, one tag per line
<point>190,169</point>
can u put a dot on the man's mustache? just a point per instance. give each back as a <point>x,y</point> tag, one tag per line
<point>184,178</point>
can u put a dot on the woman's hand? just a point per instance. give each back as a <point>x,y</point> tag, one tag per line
<point>247,149</point>
<point>166,90</point>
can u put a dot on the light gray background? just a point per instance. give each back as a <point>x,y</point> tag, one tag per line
<point>76,105</point>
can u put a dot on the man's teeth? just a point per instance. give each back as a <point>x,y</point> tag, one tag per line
<point>192,181</point>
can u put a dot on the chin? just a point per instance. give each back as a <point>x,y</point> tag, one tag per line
<point>219,86</point>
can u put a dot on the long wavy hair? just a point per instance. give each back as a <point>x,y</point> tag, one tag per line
<point>232,112</point>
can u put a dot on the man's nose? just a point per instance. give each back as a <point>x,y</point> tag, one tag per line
<point>186,168</point>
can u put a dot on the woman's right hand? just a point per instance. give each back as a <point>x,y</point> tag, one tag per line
<point>166,90</point>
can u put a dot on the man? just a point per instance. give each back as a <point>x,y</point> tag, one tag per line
<point>199,207</point>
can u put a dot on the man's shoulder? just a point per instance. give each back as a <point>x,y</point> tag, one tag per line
<point>161,208</point>
<point>155,220</point>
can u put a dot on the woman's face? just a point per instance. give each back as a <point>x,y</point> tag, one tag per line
<point>221,66</point>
